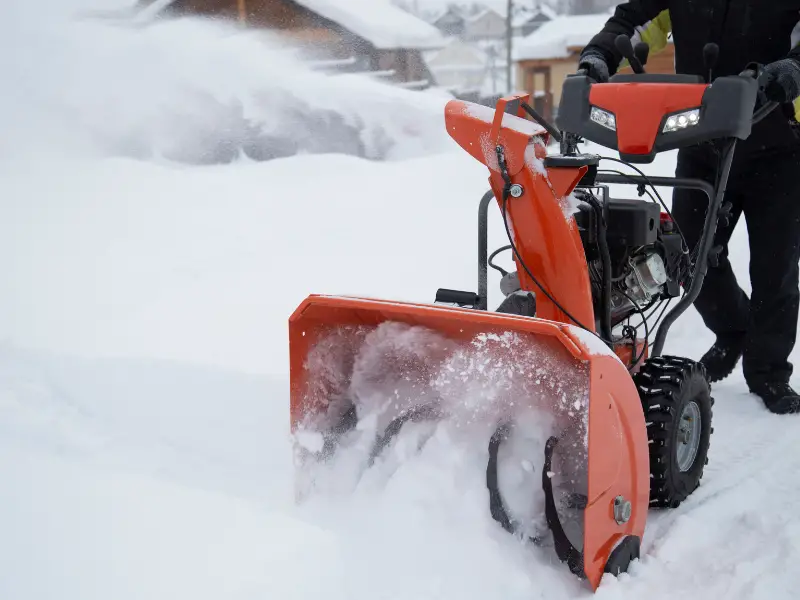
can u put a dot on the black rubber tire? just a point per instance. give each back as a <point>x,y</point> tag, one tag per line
<point>666,385</point>
<point>623,555</point>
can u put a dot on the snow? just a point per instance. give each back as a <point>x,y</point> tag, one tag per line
<point>379,22</point>
<point>555,38</point>
<point>152,10</point>
<point>144,444</point>
<point>593,344</point>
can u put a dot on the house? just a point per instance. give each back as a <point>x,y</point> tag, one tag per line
<point>545,57</point>
<point>367,35</point>
<point>459,67</point>
<point>467,70</point>
<point>527,22</point>
<point>451,22</point>
<point>485,25</point>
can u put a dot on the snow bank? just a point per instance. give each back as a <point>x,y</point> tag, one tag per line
<point>206,265</point>
<point>72,531</point>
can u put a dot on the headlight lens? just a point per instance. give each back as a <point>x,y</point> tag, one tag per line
<point>682,120</point>
<point>604,118</point>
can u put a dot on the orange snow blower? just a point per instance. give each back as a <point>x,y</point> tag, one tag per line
<point>626,427</point>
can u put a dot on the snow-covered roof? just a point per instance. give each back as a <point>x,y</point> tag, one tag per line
<point>379,22</point>
<point>486,12</point>
<point>382,24</point>
<point>547,11</point>
<point>525,16</point>
<point>554,38</point>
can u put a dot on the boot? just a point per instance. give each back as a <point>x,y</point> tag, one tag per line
<point>778,397</point>
<point>723,356</point>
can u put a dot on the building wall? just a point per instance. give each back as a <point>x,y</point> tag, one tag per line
<point>559,72</point>
<point>488,26</point>
<point>533,80</point>
<point>204,7</point>
<point>408,65</point>
<point>279,14</point>
<point>458,54</point>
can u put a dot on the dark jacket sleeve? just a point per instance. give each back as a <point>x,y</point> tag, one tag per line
<point>627,17</point>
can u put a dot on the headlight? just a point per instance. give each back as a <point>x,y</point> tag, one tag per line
<point>682,120</point>
<point>604,118</point>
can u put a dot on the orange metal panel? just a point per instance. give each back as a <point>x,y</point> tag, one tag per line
<point>637,129</point>
<point>544,231</point>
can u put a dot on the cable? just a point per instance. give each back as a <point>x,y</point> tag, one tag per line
<point>621,174</point>
<point>533,277</point>
<point>503,167</point>
<point>655,303</point>
<point>503,272</point>
<point>646,330</point>
<point>663,311</point>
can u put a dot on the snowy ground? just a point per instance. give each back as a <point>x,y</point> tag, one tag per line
<point>144,447</point>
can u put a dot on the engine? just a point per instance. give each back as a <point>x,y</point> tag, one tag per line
<point>645,251</point>
<point>644,281</point>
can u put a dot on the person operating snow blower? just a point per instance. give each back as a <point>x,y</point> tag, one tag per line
<point>764,182</point>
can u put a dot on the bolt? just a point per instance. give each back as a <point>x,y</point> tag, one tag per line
<point>622,510</point>
<point>516,190</point>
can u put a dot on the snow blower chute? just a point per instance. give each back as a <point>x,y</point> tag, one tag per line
<point>626,427</point>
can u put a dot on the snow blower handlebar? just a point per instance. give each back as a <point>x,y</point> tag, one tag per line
<point>641,115</point>
<point>659,112</point>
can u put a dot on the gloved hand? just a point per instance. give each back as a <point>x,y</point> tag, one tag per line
<point>780,80</point>
<point>596,65</point>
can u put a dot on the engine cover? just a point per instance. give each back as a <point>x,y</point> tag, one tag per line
<point>630,222</point>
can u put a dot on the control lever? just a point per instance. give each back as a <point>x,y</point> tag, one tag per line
<point>623,44</point>
<point>710,56</point>
<point>641,51</point>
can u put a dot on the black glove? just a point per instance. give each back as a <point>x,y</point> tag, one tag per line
<point>596,66</point>
<point>780,80</point>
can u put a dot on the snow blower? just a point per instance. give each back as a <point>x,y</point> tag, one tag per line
<point>626,427</point>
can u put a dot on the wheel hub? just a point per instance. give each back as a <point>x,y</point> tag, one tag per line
<point>689,431</point>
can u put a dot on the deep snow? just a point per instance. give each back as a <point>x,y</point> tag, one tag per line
<point>144,448</point>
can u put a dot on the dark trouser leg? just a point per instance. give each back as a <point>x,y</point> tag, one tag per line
<point>722,304</point>
<point>772,210</point>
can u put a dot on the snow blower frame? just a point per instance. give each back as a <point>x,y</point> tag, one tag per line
<point>587,263</point>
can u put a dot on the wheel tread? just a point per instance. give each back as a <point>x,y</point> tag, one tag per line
<point>660,382</point>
